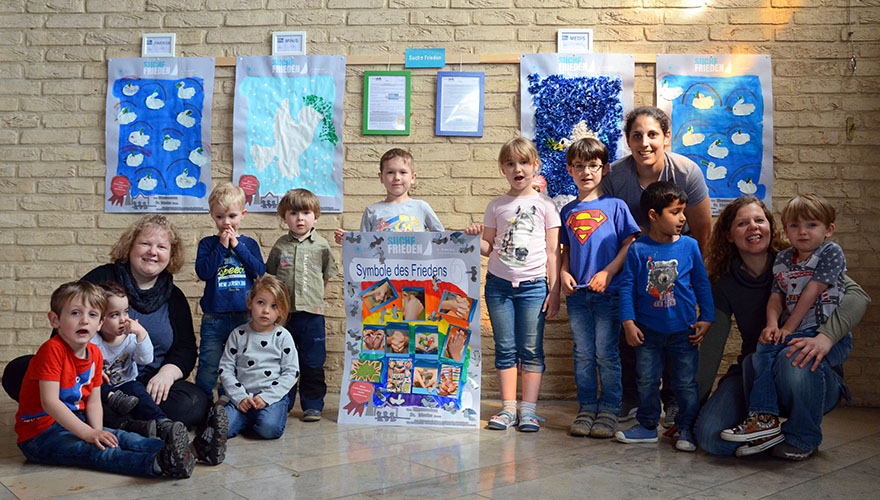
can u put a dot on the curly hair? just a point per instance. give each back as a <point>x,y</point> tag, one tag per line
<point>122,248</point>
<point>721,252</point>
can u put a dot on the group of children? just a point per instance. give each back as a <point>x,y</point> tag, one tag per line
<point>653,287</point>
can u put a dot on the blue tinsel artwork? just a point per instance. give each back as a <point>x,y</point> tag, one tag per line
<point>561,103</point>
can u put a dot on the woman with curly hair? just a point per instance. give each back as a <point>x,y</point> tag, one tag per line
<point>745,239</point>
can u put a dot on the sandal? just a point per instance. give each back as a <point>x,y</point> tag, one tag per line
<point>502,420</point>
<point>529,423</point>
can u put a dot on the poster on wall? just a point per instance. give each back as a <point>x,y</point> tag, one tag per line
<point>566,97</point>
<point>158,134</point>
<point>721,107</point>
<point>287,129</point>
<point>412,342</point>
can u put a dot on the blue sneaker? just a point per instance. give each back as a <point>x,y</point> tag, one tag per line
<point>685,441</point>
<point>637,434</point>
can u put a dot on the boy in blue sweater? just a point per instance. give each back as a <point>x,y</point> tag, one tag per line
<point>663,281</point>
<point>228,263</point>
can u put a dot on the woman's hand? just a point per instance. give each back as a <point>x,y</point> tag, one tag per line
<point>159,386</point>
<point>809,349</point>
<point>338,235</point>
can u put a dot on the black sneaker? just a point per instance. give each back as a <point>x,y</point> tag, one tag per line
<point>146,428</point>
<point>176,459</point>
<point>791,452</point>
<point>628,410</point>
<point>167,427</point>
<point>121,402</point>
<point>671,411</point>
<point>210,444</point>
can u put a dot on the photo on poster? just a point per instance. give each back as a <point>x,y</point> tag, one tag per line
<point>457,306</point>
<point>413,303</point>
<point>399,375</point>
<point>366,370</point>
<point>455,344</point>
<point>427,341</point>
<point>425,377</point>
<point>449,380</point>
<point>373,342</point>
<point>379,295</point>
<point>398,339</point>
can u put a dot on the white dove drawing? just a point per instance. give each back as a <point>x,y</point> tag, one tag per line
<point>291,140</point>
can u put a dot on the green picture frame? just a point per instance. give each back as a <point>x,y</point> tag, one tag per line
<point>387,102</point>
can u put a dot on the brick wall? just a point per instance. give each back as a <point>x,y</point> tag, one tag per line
<point>53,69</point>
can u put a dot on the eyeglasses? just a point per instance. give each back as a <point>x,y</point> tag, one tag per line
<point>592,168</point>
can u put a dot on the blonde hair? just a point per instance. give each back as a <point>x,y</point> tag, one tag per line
<point>90,293</point>
<point>298,200</point>
<point>122,248</point>
<point>808,206</point>
<point>277,289</point>
<point>396,153</point>
<point>226,195</point>
<point>721,252</point>
<point>518,147</point>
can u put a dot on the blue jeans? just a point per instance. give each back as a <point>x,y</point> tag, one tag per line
<point>267,423</point>
<point>146,409</point>
<point>135,454</point>
<point>676,351</point>
<point>763,397</point>
<point>309,336</point>
<point>212,339</point>
<point>517,322</point>
<point>595,323</point>
<point>804,397</point>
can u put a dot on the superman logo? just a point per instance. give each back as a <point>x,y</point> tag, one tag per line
<point>583,223</point>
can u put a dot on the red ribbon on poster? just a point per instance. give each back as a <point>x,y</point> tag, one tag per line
<point>249,184</point>
<point>119,186</point>
<point>359,394</point>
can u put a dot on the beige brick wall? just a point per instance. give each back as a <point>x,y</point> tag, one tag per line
<point>53,69</point>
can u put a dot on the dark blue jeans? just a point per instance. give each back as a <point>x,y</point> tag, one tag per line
<point>763,397</point>
<point>267,423</point>
<point>135,454</point>
<point>146,409</point>
<point>595,322</point>
<point>212,339</point>
<point>675,351</point>
<point>310,336</point>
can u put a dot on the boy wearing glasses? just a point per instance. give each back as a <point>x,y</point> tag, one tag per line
<point>597,232</point>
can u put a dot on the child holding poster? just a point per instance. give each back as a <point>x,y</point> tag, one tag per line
<point>521,238</point>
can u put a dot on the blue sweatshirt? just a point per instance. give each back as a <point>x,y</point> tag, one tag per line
<point>662,283</point>
<point>228,273</point>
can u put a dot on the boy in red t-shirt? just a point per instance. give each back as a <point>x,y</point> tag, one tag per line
<point>60,417</point>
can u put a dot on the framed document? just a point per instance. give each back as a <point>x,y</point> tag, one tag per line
<point>158,44</point>
<point>460,101</point>
<point>386,102</point>
<point>574,41</point>
<point>288,43</point>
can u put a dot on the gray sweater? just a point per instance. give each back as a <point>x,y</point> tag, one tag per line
<point>254,363</point>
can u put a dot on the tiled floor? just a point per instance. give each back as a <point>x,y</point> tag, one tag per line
<point>326,460</point>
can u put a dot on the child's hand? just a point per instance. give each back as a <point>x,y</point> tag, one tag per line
<point>768,334</point>
<point>259,404</point>
<point>455,345</point>
<point>551,305</point>
<point>782,334</point>
<point>246,404</point>
<point>700,329</point>
<point>224,238</point>
<point>100,437</point>
<point>134,326</point>
<point>600,281</point>
<point>634,335</point>
<point>233,239</point>
<point>568,282</point>
<point>474,229</point>
<point>106,377</point>
<point>338,235</point>
<point>399,342</point>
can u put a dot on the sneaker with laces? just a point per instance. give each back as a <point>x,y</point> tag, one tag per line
<point>605,425</point>
<point>166,427</point>
<point>176,459</point>
<point>759,445</point>
<point>755,426</point>
<point>121,402</point>
<point>311,415</point>
<point>686,441</point>
<point>628,410</point>
<point>637,434</point>
<point>670,414</point>
<point>529,423</point>
<point>791,452</point>
<point>583,424</point>
<point>146,428</point>
<point>210,443</point>
<point>502,420</point>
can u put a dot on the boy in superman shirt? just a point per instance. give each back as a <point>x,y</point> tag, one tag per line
<point>597,231</point>
<point>60,417</point>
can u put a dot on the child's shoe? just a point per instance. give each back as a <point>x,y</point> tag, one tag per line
<point>528,422</point>
<point>146,428</point>
<point>755,426</point>
<point>628,410</point>
<point>637,434</point>
<point>791,452</point>
<point>167,427</point>
<point>759,445</point>
<point>583,424</point>
<point>176,459</point>
<point>210,443</point>
<point>670,414</point>
<point>685,440</point>
<point>121,402</point>
<point>605,425</point>
<point>502,420</point>
<point>311,415</point>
